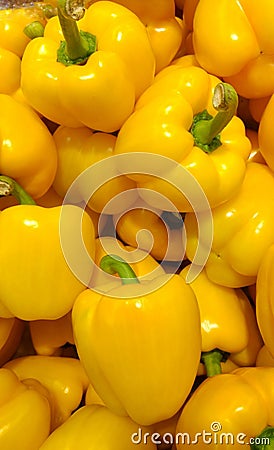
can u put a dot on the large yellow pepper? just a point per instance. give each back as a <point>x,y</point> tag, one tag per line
<point>229,410</point>
<point>162,26</point>
<point>77,150</point>
<point>264,298</point>
<point>95,427</point>
<point>64,379</point>
<point>36,280</point>
<point>140,343</point>
<point>161,125</point>
<point>28,151</point>
<point>228,324</point>
<point>25,412</point>
<point>243,230</point>
<point>234,39</point>
<point>96,76</point>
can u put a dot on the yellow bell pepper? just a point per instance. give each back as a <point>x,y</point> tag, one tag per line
<point>35,268</point>
<point>214,151</point>
<point>234,40</point>
<point>11,332</point>
<point>166,233</point>
<point>133,342</point>
<point>13,41</point>
<point>264,298</point>
<point>264,357</point>
<point>265,134</point>
<point>229,410</point>
<point>77,150</point>
<point>228,324</point>
<point>64,379</point>
<point>95,427</point>
<point>28,151</point>
<point>257,107</point>
<point>143,263</point>
<point>49,336</point>
<point>24,413</point>
<point>163,29</point>
<point>243,230</point>
<point>96,75</point>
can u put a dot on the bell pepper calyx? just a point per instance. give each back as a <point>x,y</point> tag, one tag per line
<point>206,128</point>
<point>212,361</point>
<point>8,186</point>
<point>34,29</point>
<point>113,264</point>
<point>48,10</point>
<point>78,45</point>
<point>265,440</point>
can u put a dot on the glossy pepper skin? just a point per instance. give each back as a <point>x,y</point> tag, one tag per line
<point>161,125</point>
<point>228,321</point>
<point>37,283</point>
<point>264,298</point>
<point>77,150</point>
<point>28,157</point>
<point>240,402</point>
<point>24,412</point>
<point>76,95</point>
<point>235,41</point>
<point>162,26</point>
<point>11,331</point>
<point>140,363</point>
<point>243,230</point>
<point>103,430</point>
<point>64,379</point>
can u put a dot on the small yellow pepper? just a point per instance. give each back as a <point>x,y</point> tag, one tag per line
<point>48,336</point>
<point>29,157</point>
<point>64,379</point>
<point>96,75</point>
<point>243,230</point>
<point>228,323</point>
<point>94,427</point>
<point>35,268</point>
<point>174,118</point>
<point>24,412</point>
<point>133,342</point>
<point>229,409</point>
<point>77,150</point>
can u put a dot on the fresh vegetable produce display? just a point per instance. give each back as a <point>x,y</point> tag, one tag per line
<point>136,224</point>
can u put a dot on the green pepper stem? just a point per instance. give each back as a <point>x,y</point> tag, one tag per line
<point>34,29</point>
<point>78,46</point>
<point>265,440</point>
<point>8,186</point>
<point>206,128</point>
<point>113,264</point>
<point>212,361</point>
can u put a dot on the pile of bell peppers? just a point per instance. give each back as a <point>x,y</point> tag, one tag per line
<point>136,225</point>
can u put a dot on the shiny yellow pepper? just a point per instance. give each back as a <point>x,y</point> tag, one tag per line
<point>64,379</point>
<point>25,412</point>
<point>228,324</point>
<point>11,332</point>
<point>13,41</point>
<point>133,342</point>
<point>97,74</point>
<point>171,120</point>
<point>77,150</point>
<point>28,151</point>
<point>229,409</point>
<point>37,282</point>
<point>95,427</point>
<point>162,26</point>
<point>243,230</point>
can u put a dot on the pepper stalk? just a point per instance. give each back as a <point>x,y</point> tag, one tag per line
<point>8,187</point>
<point>113,264</point>
<point>212,361</point>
